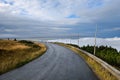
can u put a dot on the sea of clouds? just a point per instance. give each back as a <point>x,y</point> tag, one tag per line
<point>113,42</point>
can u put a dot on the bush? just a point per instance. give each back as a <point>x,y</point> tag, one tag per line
<point>108,54</point>
<point>74,45</point>
<point>26,42</point>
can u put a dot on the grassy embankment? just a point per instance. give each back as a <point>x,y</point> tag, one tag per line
<point>14,54</point>
<point>106,53</point>
<point>101,72</point>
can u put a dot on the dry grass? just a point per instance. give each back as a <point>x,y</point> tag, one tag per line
<point>15,54</point>
<point>102,73</point>
<point>11,45</point>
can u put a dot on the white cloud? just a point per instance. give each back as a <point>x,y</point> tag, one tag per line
<point>8,35</point>
<point>117,29</point>
<point>54,16</point>
<point>58,10</point>
<point>59,28</point>
<point>112,29</point>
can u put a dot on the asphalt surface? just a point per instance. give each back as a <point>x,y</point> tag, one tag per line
<point>58,63</point>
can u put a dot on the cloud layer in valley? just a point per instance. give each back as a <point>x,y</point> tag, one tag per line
<point>113,42</point>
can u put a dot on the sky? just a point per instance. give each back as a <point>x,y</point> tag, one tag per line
<point>53,18</point>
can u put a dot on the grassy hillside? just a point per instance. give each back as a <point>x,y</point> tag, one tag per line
<point>16,53</point>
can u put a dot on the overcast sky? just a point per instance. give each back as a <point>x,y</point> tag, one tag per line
<point>43,18</point>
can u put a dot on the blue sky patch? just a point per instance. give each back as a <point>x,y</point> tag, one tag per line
<point>56,4</point>
<point>73,16</point>
<point>23,12</point>
<point>94,3</point>
<point>7,2</point>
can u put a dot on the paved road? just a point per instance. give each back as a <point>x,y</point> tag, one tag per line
<point>58,63</point>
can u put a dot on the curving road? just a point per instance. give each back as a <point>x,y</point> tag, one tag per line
<point>58,63</point>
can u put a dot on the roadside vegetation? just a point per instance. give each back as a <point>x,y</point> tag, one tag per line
<point>108,54</point>
<point>100,71</point>
<point>14,54</point>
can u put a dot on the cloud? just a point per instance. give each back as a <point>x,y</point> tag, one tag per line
<point>59,16</point>
<point>19,27</point>
<point>60,29</point>
<point>114,42</point>
<point>113,29</point>
<point>10,35</point>
<point>73,16</point>
<point>58,10</point>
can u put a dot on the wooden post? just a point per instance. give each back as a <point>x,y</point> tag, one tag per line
<point>95,40</point>
<point>78,39</point>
